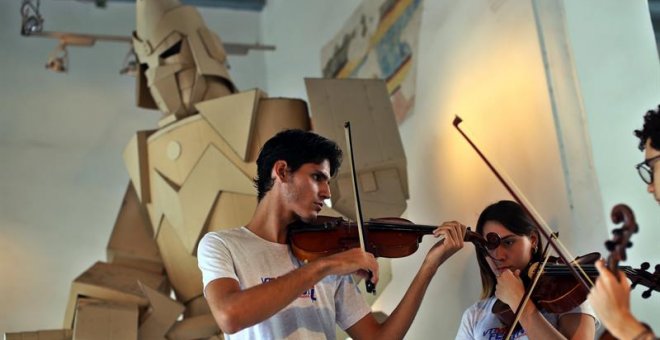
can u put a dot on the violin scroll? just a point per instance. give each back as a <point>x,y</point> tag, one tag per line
<point>621,236</point>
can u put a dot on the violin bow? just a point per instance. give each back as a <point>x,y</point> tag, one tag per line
<point>541,225</point>
<point>362,231</point>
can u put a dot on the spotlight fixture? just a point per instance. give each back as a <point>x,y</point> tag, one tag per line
<point>31,19</point>
<point>58,59</point>
<point>32,24</point>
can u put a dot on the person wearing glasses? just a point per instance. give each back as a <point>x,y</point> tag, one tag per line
<point>611,297</point>
<point>649,142</point>
<point>500,266</point>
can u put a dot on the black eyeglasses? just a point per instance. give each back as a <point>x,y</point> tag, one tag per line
<point>645,171</point>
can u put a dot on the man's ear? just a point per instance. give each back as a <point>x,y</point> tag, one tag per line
<point>280,171</point>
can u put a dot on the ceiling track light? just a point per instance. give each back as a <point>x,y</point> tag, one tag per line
<point>32,24</point>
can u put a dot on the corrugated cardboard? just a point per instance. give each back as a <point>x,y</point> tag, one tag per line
<point>114,283</point>
<point>379,157</point>
<point>231,210</point>
<point>103,320</point>
<point>233,118</point>
<point>197,327</point>
<point>143,96</point>
<point>136,161</point>
<point>275,115</point>
<point>160,316</point>
<point>197,306</point>
<point>213,173</point>
<point>132,241</point>
<point>56,334</point>
<point>193,136</point>
<point>181,266</point>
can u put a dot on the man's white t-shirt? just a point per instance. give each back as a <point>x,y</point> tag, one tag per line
<point>243,256</point>
<point>479,322</point>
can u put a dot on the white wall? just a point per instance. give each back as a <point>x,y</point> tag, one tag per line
<point>62,176</point>
<point>299,28</point>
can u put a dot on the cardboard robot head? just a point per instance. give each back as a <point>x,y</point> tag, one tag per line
<point>181,61</point>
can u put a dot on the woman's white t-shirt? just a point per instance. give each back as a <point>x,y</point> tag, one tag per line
<point>479,322</point>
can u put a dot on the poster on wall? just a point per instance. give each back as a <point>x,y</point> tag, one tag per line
<point>379,41</point>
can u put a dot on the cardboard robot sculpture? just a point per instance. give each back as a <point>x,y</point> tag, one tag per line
<point>193,174</point>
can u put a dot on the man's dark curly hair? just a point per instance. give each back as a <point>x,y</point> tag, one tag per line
<point>651,129</point>
<point>295,147</point>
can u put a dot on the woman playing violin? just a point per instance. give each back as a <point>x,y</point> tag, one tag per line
<point>500,269</point>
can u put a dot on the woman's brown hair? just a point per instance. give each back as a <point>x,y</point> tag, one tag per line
<point>511,215</point>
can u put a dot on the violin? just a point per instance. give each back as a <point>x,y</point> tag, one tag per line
<point>558,291</point>
<point>390,237</point>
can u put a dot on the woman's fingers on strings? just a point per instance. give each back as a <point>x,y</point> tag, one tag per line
<point>600,266</point>
<point>604,274</point>
<point>624,280</point>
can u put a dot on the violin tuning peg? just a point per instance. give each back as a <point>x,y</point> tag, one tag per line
<point>617,232</point>
<point>647,293</point>
<point>609,245</point>
<point>629,245</point>
<point>657,269</point>
<point>645,266</point>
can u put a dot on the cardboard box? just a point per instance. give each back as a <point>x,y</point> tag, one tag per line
<point>380,160</point>
<point>160,316</point>
<point>55,334</point>
<point>103,320</point>
<point>114,283</point>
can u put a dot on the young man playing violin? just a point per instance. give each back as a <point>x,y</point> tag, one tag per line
<point>257,289</point>
<point>611,297</point>
<point>519,244</point>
